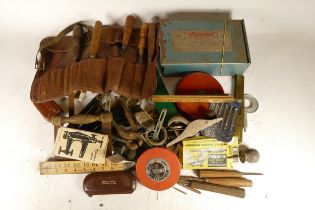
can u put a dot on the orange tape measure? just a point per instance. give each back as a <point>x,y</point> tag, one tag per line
<point>158,169</point>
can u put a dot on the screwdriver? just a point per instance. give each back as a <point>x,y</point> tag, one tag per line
<point>143,39</point>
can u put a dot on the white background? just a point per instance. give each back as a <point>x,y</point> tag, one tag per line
<point>282,44</point>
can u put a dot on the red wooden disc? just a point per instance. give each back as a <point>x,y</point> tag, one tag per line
<point>158,169</point>
<point>197,83</point>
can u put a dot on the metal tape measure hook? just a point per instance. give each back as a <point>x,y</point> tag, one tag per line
<point>253,106</point>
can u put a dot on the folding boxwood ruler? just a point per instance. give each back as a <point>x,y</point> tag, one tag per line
<point>80,167</point>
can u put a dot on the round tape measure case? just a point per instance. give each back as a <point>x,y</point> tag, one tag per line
<point>158,169</point>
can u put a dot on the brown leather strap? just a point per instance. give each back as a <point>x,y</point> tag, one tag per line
<point>71,104</point>
<point>77,36</point>
<point>57,39</point>
<point>107,130</point>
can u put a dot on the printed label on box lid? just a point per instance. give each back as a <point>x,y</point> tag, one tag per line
<point>201,41</point>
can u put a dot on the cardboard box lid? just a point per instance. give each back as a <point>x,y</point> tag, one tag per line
<point>203,42</point>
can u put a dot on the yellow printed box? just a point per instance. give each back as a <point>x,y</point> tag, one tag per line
<point>207,153</point>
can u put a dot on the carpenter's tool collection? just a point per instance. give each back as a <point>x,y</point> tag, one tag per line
<point>132,121</point>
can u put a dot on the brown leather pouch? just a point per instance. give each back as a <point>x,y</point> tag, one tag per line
<point>112,69</point>
<point>48,109</point>
<point>104,183</point>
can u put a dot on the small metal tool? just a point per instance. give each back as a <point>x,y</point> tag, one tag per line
<point>224,130</point>
<point>177,124</point>
<point>193,128</point>
<point>159,124</point>
<point>159,136</point>
<point>253,105</point>
<point>251,108</point>
<point>106,103</point>
<point>145,120</point>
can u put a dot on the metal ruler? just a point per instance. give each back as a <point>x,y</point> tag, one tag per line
<point>80,167</point>
<point>193,98</point>
<point>239,94</point>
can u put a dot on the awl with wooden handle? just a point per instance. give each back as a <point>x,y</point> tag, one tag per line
<point>130,21</point>
<point>143,39</point>
<point>226,181</point>
<point>222,173</point>
<point>226,190</point>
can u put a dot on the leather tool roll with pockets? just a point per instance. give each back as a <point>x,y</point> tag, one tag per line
<point>65,68</point>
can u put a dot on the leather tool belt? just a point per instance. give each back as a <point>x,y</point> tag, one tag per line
<point>66,63</point>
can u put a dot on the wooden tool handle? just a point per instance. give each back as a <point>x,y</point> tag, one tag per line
<point>77,35</point>
<point>143,35</point>
<point>232,181</point>
<point>130,20</point>
<point>210,173</point>
<point>226,190</point>
<point>151,41</point>
<point>81,119</point>
<point>95,42</point>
